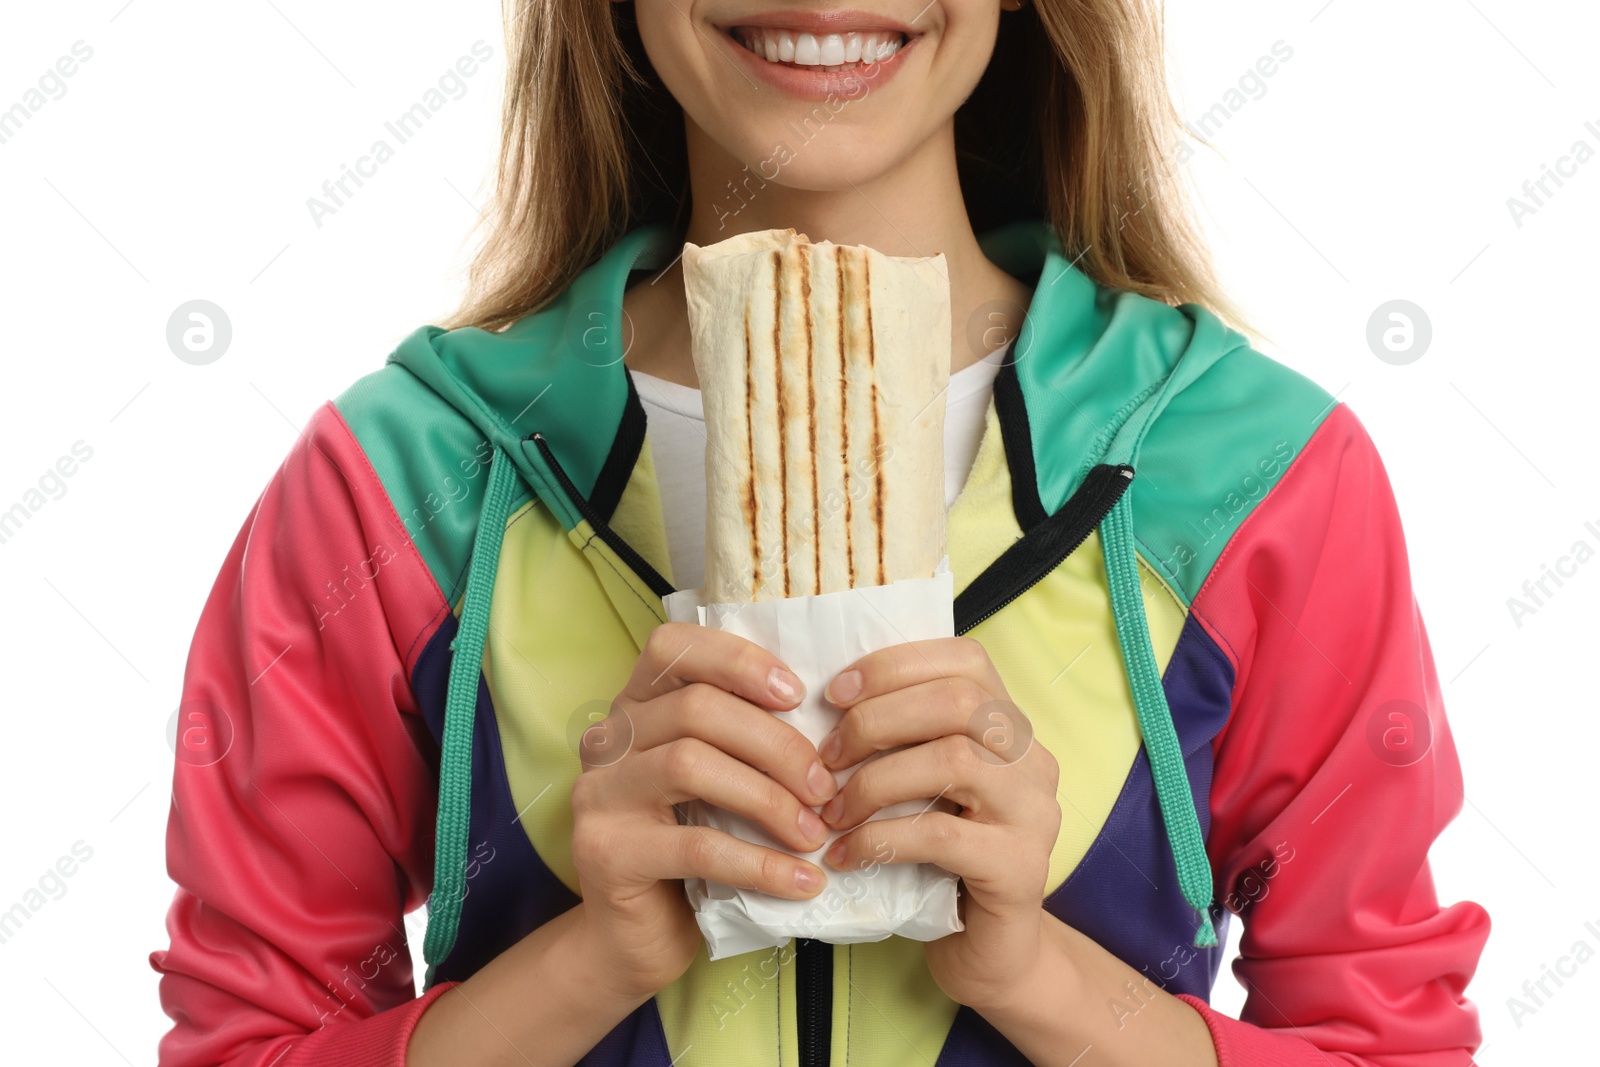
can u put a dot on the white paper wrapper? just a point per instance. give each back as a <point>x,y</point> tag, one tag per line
<point>817,637</point>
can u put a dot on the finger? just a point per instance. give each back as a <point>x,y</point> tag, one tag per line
<point>949,841</point>
<point>681,653</point>
<point>922,712</point>
<point>717,856</point>
<point>732,724</point>
<point>912,663</point>
<point>946,770</point>
<point>691,769</point>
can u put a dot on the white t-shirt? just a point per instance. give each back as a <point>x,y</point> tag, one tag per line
<point>678,445</point>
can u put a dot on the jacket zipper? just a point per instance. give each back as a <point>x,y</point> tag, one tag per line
<point>813,967</point>
<point>1019,568</point>
<point>625,552</point>
<point>1042,548</point>
<point>813,959</point>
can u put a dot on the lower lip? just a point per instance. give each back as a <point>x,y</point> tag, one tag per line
<point>810,84</point>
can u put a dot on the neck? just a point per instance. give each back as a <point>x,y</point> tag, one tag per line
<point>915,209</point>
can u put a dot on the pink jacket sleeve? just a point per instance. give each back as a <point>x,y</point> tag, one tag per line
<point>304,791</point>
<point>1333,776</point>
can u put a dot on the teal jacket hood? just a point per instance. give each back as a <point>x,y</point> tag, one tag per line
<point>559,372</point>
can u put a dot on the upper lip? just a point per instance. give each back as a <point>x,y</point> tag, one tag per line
<point>819,22</point>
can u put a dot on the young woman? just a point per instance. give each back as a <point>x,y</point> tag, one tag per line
<point>1180,561</point>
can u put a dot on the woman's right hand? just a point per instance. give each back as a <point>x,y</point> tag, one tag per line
<point>691,724</point>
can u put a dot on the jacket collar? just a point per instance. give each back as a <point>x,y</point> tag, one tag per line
<point>590,334</point>
<point>1086,359</point>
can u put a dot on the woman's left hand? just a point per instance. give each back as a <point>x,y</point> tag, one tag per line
<point>968,743</point>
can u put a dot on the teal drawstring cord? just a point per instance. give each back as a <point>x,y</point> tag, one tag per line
<point>455,759</point>
<point>1155,717</point>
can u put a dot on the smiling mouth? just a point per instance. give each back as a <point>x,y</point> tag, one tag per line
<point>827,51</point>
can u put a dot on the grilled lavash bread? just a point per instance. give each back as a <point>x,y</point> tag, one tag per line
<point>822,370</point>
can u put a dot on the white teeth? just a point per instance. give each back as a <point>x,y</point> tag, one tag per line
<point>832,51</point>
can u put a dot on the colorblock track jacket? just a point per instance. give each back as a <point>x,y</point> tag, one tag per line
<point>1184,559</point>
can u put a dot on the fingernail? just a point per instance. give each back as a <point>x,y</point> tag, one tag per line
<point>807,878</point>
<point>836,853</point>
<point>820,780</point>
<point>811,827</point>
<point>783,685</point>
<point>832,746</point>
<point>831,810</point>
<point>844,688</point>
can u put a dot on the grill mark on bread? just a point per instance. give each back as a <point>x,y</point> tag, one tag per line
<point>877,433</point>
<point>750,513</point>
<point>844,420</point>
<point>724,283</point>
<point>811,406</point>
<point>783,462</point>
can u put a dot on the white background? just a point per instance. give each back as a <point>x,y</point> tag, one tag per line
<point>1376,165</point>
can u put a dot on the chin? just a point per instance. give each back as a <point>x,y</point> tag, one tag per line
<point>826,172</point>
<point>789,149</point>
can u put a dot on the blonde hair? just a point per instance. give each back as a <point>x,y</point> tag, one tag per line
<point>1070,122</point>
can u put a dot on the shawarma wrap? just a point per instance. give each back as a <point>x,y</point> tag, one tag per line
<point>822,369</point>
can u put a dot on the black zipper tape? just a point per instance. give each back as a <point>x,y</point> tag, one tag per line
<point>1039,551</point>
<point>813,969</point>
<point>625,552</point>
